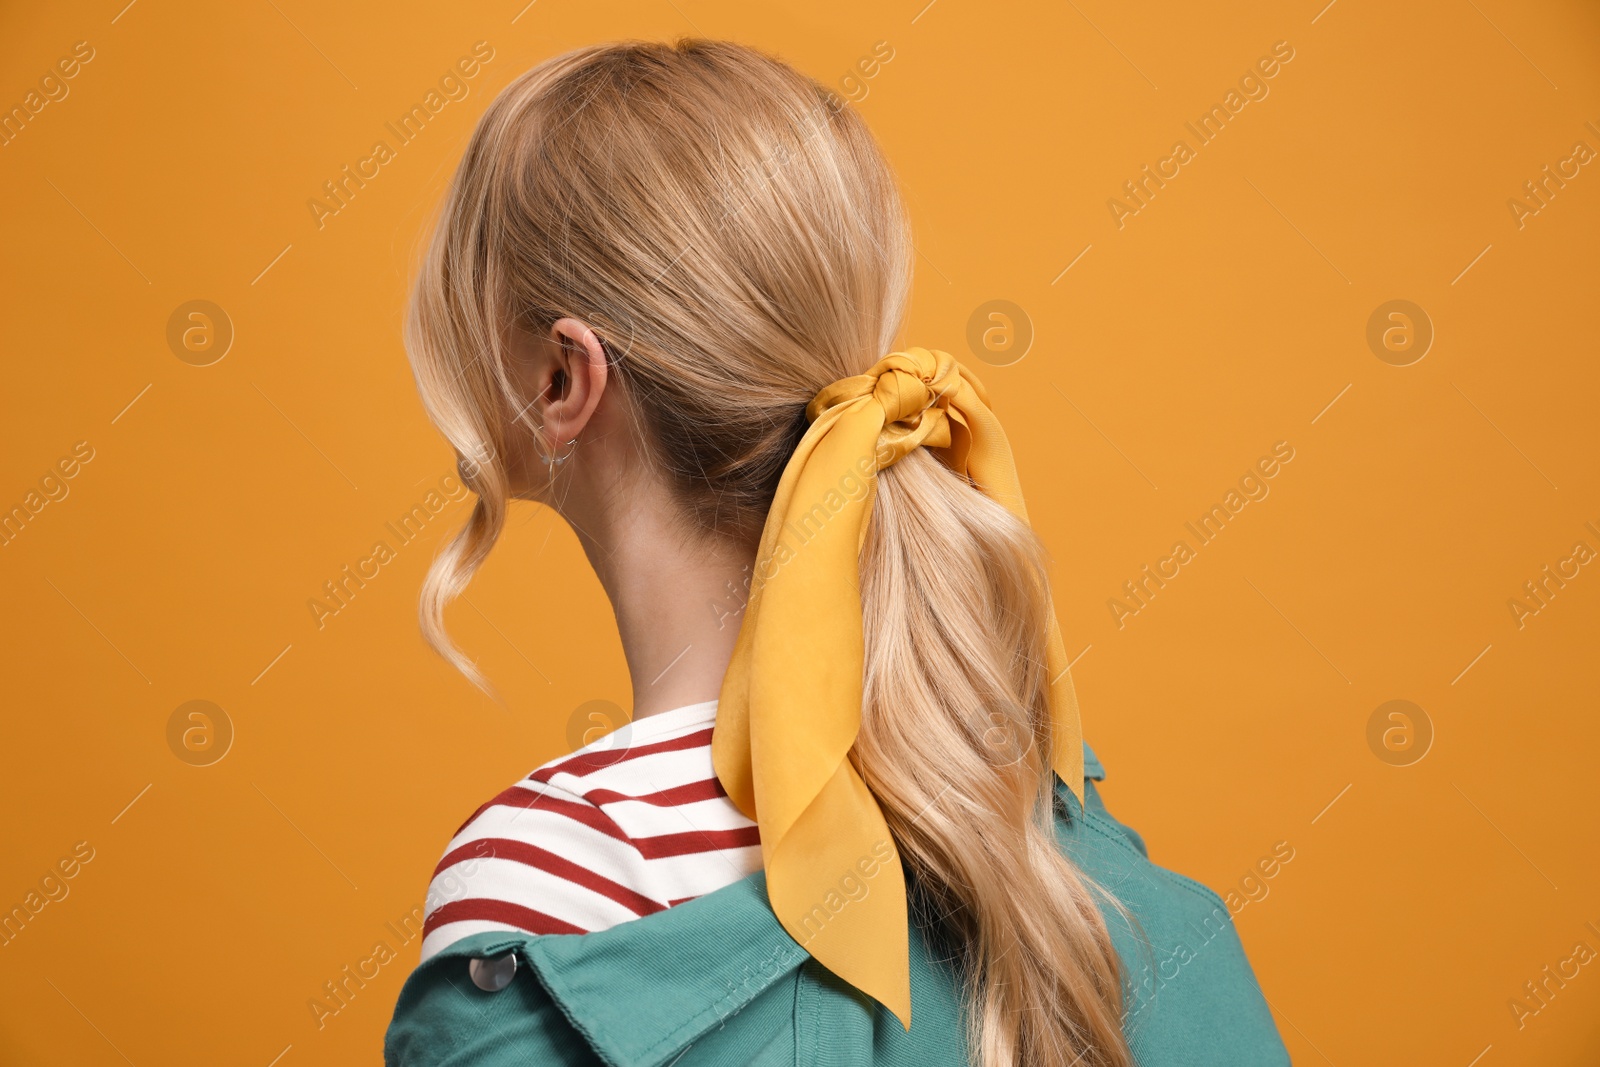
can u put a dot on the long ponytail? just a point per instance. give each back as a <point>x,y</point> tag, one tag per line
<point>954,742</point>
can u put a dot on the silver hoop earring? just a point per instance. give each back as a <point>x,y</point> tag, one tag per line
<point>555,459</point>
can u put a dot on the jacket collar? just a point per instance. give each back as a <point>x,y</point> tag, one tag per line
<point>643,991</point>
<point>1092,768</point>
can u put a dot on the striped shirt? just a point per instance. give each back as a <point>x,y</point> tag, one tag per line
<point>632,824</point>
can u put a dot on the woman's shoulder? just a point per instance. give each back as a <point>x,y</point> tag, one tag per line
<point>721,976</point>
<point>621,828</point>
<point>536,857</point>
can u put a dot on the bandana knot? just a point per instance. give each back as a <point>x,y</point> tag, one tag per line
<point>913,388</point>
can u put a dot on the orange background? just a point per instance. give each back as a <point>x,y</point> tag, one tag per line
<point>1228,314</point>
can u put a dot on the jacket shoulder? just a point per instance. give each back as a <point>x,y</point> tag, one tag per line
<point>1187,981</point>
<point>711,981</point>
<point>446,1019</point>
<point>717,980</point>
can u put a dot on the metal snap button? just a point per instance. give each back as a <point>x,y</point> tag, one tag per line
<point>493,975</point>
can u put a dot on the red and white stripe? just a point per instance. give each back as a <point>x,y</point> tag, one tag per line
<point>630,825</point>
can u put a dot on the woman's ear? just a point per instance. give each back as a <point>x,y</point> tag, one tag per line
<point>571,381</point>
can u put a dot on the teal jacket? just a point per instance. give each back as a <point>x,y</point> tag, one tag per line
<point>717,980</point>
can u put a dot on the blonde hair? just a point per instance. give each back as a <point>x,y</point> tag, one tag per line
<point>737,242</point>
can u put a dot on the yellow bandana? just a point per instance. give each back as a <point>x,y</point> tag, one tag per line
<point>790,705</point>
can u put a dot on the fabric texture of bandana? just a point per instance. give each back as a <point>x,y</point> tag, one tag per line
<point>790,705</point>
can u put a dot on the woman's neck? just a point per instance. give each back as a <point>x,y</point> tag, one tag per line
<point>678,602</point>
